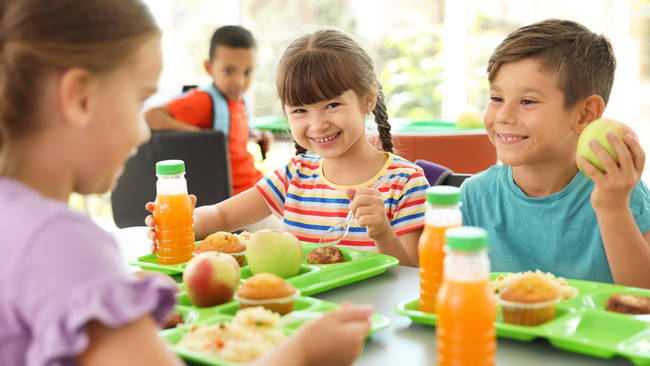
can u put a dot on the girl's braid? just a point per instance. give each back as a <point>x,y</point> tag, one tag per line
<point>299,149</point>
<point>381,118</point>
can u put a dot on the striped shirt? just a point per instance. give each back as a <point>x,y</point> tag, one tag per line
<point>309,204</point>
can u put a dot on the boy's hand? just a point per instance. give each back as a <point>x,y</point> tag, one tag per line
<point>367,206</point>
<point>151,222</point>
<point>335,338</point>
<point>264,138</point>
<point>613,188</point>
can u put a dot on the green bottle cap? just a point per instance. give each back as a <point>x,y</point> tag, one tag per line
<point>443,195</point>
<point>170,167</point>
<point>466,238</point>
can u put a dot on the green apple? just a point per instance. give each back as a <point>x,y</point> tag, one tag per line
<point>272,251</point>
<point>598,130</point>
<point>211,279</point>
<point>471,118</point>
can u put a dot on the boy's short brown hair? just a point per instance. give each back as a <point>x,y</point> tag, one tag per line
<point>583,61</point>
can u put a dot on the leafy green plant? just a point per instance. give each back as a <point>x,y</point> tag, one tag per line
<point>412,72</point>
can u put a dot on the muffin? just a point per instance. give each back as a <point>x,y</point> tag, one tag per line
<point>628,304</point>
<point>269,291</point>
<point>224,242</point>
<point>325,255</point>
<point>529,301</point>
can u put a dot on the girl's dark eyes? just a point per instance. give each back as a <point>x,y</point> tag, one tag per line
<point>230,71</point>
<point>299,111</point>
<point>496,99</point>
<point>333,105</point>
<point>249,72</point>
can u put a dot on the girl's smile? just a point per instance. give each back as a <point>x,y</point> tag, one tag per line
<point>331,128</point>
<point>325,141</point>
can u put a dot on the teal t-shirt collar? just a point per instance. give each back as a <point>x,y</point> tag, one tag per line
<point>576,182</point>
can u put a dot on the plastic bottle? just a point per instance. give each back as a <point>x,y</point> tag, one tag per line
<point>466,307</point>
<point>174,214</point>
<point>443,212</point>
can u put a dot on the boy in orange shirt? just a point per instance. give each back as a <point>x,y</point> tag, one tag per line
<point>222,105</point>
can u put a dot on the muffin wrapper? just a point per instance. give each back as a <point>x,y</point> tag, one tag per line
<point>283,305</point>
<point>239,257</point>
<point>528,314</point>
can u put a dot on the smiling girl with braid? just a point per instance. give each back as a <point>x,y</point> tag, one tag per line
<point>327,85</point>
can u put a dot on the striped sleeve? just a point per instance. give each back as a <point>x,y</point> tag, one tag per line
<point>274,187</point>
<point>410,208</point>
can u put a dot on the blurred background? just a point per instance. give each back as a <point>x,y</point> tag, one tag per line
<point>431,55</point>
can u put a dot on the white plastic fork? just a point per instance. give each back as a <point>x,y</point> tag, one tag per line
<point>338,231</point>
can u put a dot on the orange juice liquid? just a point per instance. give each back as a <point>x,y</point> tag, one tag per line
<point>430,250</point>
<point>174,215</point>
<point>465,331</point>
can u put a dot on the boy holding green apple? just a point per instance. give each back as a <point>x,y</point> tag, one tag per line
<point>548,81</point>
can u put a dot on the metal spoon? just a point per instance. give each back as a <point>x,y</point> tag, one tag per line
<point>338,231</point>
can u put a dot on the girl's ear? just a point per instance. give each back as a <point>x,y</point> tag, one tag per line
<point>592,108</point>
<point>76,96</point>
<point>371,99</point>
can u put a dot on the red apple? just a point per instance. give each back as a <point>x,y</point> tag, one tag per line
<point>211,279</point>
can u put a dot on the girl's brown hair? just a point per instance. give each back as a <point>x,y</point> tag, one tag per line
<point>322,66</point>
<point>39,38</point>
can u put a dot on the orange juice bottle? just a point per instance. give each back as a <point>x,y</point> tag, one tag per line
<point>466,310</point>
<point>443,212</point>
<point>174,214</point>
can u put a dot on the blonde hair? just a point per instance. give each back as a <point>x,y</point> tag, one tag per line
<point>39,38</point>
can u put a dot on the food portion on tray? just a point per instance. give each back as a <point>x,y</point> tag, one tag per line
<point>592,318</point>
<point>311,268</point>
<point>628,304</point>
<point>325,255</point>
<point>530,298</point>
<point>210,336</point>
<point>250,334</point>
<point>502,281</point>
<point>269,291</point>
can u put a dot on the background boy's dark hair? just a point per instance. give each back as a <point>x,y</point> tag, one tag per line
<point>232,36</point>
<point>583,61</point>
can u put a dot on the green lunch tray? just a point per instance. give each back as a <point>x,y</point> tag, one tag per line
<point>313,278</point>
<point>433,126</point>
<point>226,312</point>
<point>581,325</point>
<point>276,124</point>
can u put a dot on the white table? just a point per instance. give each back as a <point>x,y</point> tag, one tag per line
<point>404,342</point>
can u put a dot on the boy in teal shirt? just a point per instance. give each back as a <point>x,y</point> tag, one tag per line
<point>548,81</point>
